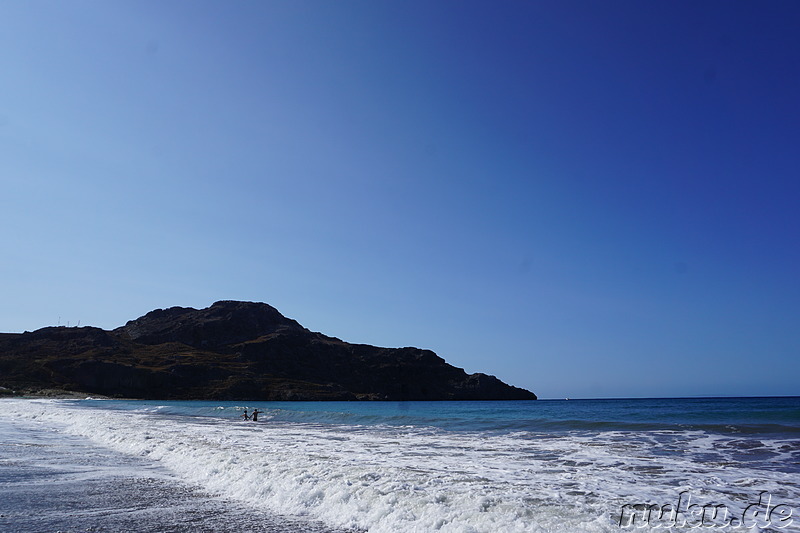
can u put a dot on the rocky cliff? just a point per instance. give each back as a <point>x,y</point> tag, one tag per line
<point>232,350</point>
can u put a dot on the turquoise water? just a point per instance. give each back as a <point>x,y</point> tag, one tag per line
<point>516,466</point>
<point>755,416</point>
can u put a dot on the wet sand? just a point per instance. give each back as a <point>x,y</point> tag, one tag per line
<point>50,482</point>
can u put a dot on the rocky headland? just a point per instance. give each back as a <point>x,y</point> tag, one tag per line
<point>230,351</point>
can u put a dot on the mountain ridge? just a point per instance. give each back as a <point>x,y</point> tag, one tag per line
<point>232,350</point>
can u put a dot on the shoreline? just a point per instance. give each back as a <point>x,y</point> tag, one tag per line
<point>392,468</point>
<point>54,393</point>
<point>52,481</point>
<point>64,394</point>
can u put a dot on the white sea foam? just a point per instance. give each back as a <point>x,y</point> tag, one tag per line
<point>406,479</point>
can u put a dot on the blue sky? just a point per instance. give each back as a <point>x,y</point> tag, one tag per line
<point>586,199</point>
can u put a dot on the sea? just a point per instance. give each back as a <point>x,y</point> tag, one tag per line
<point>606,465</point>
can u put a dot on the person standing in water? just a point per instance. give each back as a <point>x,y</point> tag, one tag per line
<point>246,416</point>
<point>255,415</point>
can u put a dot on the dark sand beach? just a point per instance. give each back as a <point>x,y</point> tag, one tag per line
<point>51,482</point>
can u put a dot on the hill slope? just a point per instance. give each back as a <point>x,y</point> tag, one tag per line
<point>232,350</point>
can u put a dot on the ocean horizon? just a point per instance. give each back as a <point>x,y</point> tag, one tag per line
<point>551,465</point>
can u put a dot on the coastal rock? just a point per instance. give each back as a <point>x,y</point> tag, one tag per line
<point>224,323</point>
<point>232,350</point>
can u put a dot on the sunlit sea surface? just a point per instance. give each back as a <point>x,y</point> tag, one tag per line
<point>527,466</point>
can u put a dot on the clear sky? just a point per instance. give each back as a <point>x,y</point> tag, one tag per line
<point>586,199</point>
